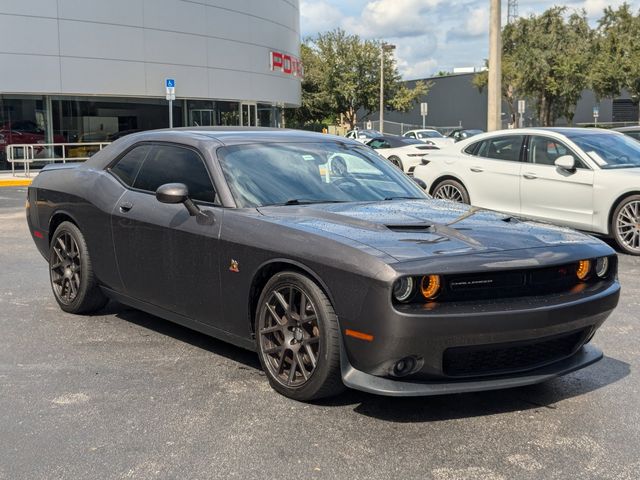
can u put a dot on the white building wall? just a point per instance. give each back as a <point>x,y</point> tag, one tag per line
<point>215,49</point>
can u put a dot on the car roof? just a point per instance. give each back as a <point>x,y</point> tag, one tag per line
<point>237,135</point>
<point>396,140</point>
<point>633,128</point>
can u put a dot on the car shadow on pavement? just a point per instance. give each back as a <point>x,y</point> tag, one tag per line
<point>406,409</point>
<point>182,334</point>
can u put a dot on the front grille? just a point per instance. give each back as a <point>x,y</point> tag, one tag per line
<point>510,357</point>
<point>505,284</point>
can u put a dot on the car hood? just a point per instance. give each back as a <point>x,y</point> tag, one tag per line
<point>414,229</point>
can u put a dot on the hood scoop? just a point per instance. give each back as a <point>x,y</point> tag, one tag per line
<point>411,227</point>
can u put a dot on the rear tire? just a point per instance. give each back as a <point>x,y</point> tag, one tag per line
<point>625,225</point>
<point>297,329</point>
<point>73,282</point>
<point>451,190</point>
<point>397,162</point>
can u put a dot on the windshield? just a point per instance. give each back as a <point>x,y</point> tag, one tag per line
<point>290,173</point>
<point>609,150</point>
<point>430,134</point>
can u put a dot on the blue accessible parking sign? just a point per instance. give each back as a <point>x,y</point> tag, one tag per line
<point>170,83</point>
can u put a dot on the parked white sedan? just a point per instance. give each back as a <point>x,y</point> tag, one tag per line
<point>588,179</point>
<point>430,137</point>
<point>404,153</point>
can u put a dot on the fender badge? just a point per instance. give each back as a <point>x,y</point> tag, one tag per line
<point>234,267</point>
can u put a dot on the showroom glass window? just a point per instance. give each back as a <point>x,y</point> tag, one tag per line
<point>546,150</point>
<point>501,148</point>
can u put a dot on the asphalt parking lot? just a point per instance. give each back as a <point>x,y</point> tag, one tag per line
<point>126,395</point>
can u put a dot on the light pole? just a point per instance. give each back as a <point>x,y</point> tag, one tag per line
<point>384,47</point>
<point>494,107</point>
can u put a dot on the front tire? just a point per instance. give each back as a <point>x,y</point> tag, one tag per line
<point>298,339</point>
<point>397,162</point>
<point>625,225</point>
<point>451,190</point>
<point>71,272</point>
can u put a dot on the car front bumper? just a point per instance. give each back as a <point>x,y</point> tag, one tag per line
<point>427,335</point>
<point>358,380</point>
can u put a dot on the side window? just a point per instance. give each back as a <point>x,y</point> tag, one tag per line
<point>376,144</point>
<point>545,151</point>
<point>171,164</point>
<point>128,166</point>
<point>411,135</point>
<point>502,148</point>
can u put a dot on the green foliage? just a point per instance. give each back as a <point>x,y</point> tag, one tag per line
<point>342,76</point>
<point>546,59</point>
<point>616,64</point>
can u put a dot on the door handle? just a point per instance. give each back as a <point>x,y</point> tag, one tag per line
<point>476,169</point>
<point>125,207</point>
<point>530,176</point>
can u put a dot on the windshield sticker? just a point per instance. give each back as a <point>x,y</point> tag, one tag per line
<point>597,158</point>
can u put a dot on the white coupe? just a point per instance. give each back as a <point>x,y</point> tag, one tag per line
<point>404,153</point>
<point>588,179</point>
<point>430,137</point>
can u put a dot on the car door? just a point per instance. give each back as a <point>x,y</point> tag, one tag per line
<point>165,256</point>
<point>492,173</point>
<point>551,193</point>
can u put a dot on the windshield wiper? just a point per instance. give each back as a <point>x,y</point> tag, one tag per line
<point>402,198</point>
<point>300,201</point>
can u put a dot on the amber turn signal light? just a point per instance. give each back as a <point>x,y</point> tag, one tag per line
<point>430,286</point>
<point>584,268</point>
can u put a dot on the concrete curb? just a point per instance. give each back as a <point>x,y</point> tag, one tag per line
<point>15,182</point>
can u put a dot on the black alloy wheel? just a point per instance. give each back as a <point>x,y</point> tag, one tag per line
<point>298,338</point>
<point>71,273</point>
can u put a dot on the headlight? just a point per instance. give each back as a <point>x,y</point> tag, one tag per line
<point>602,267</point>
<point>430,286</point>
<point>584,269</point>
<point>403,289</point>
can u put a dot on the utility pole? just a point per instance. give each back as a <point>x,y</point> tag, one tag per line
<point>512,11</point>
<point>494,115</point>
<point>384,47</point>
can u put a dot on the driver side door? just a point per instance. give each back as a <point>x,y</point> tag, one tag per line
<point>551,193</point>
<point>165,256</point>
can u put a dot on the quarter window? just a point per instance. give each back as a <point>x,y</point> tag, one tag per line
<point>128,166</point>
<point>502,148</point>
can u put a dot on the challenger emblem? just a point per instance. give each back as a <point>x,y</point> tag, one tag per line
<point>234,267</point>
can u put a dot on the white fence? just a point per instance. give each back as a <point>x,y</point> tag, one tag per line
<point>398,128</point>
<point>27,154</point>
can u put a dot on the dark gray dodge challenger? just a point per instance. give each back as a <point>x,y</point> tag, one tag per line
<point>325,259</point>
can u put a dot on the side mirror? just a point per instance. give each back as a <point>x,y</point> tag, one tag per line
<point>172,193</point>
<point>179,193</point>
<point>420,183</point>
<point>566,162</point>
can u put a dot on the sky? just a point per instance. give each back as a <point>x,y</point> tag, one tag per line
<point>430,35</point>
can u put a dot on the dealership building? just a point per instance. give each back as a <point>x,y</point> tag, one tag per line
<point>93,70</point>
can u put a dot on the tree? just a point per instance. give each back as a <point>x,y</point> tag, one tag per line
<point>546,59</point>
<point>616,65</point>
<point>344,75</point>
<point>315,104</point>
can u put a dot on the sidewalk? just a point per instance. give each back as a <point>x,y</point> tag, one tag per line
<point>8,180</point>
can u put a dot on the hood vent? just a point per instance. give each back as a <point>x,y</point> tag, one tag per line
<point>412,228</point>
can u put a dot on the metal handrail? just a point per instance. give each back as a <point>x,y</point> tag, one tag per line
<point>25,153</point>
